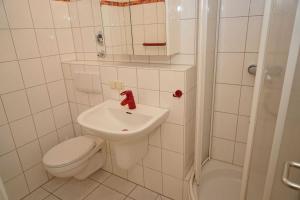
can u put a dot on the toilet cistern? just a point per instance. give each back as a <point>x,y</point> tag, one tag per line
<point>129,99</point>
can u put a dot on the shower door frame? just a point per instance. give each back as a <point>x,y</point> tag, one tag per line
<point>284,101</point>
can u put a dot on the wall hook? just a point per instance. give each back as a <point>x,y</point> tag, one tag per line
<point>178,93</point>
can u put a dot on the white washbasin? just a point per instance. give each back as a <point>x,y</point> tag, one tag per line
<point>127,130</point>
<point>115,122</point>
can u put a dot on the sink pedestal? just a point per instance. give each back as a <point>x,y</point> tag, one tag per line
<point>128,153</point>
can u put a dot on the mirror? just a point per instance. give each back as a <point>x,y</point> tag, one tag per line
<point>141,27</point>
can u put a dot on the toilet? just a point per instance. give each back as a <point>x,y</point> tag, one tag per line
<point>78,157</point>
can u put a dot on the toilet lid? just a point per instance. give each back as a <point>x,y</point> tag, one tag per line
<point>68,151</point>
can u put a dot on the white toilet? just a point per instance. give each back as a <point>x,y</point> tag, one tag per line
<point>78,157</point>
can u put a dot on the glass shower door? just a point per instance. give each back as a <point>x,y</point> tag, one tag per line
<point>275,127</point>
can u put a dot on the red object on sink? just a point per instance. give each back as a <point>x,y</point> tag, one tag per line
<point>178,93</point>
<point>129,99</point>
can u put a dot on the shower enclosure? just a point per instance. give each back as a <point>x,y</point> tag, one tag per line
<point>272,163</point>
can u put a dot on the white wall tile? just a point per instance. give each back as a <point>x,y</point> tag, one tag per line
<point>172,137</point>
<point>10,77</point>
<point>6,140</point>
<point>48,141</point>
<point>85,13</point>
<point>127,76</point>
<point>230,68</point>
<point>172,163</point>
<point>9,166</point>
<point>253,35</point>
<point>18,13</point>
<point>65,40</point>
<point>3,19</point>
<point>224,125</point>
<point>222,149</point>
<point>227,98</point>
<point>30,155</point>
<point>16,105</point>
<point>187,38</point>
<point>60,14</point>
<point>16,188</point>
<point>52,68</point>
<point>3,118</point>
<point>257,7</point>
<point>242,129</point>
<point>232,34</point>
<point>41,13</point>
<point>175,106</point>
<point>25,48</point>
<point>38,98</point>
<point>250,59</point>
<point>44,122</point>
<point>171,81</point>
<point>35,177</point>
<point>234,8</point>
<point>65,133</point>
<point>153,180</point>
<point>155,138</point>
<point>148,79</point>
<point>246,100</point>
<point>32,71</point>
<point>88,39</point>
<point>23,131</point>
<point>136,174</point>
<point>108,74</point>
<point>62,115</point>
<point>57,92</point>
<point>7,51</point>
<point>148,97</point>
<point>46,39</point>
<point>239,154</point>
<point>172,187</point>
<point>153,158</point>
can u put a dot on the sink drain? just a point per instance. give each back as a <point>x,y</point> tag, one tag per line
<point>124,129</point>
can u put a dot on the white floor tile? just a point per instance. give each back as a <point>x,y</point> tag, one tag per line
<point>54,184</point>
<point>76,190</point>
<point>104,193</point>
<point>119,184</point>
<point>100,176</point>
<point>140,193</point>
<point>38,194</point>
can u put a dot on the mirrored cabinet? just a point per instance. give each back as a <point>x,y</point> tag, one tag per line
<point>141,27</point>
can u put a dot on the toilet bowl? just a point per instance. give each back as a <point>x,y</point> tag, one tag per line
<point>78,157</point>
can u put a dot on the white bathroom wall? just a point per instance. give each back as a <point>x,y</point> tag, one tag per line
<point>84,28</point>
<point>35,35</point>
<point>239,37</point>
<point>171,147</point>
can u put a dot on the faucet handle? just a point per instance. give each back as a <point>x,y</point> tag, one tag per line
<point>126,92</point>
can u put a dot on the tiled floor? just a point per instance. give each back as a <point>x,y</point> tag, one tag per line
<point>101,185</point>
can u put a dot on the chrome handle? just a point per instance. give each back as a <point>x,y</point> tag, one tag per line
<point>286,173</point>
<point>252,69</point>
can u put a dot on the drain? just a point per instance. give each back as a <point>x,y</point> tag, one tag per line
<point>129,113</point>
<point>124,129</point>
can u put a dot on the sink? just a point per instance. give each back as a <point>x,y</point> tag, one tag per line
<point>127,130</point>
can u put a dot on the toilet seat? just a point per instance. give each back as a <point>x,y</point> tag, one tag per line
<point>69,152</point>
